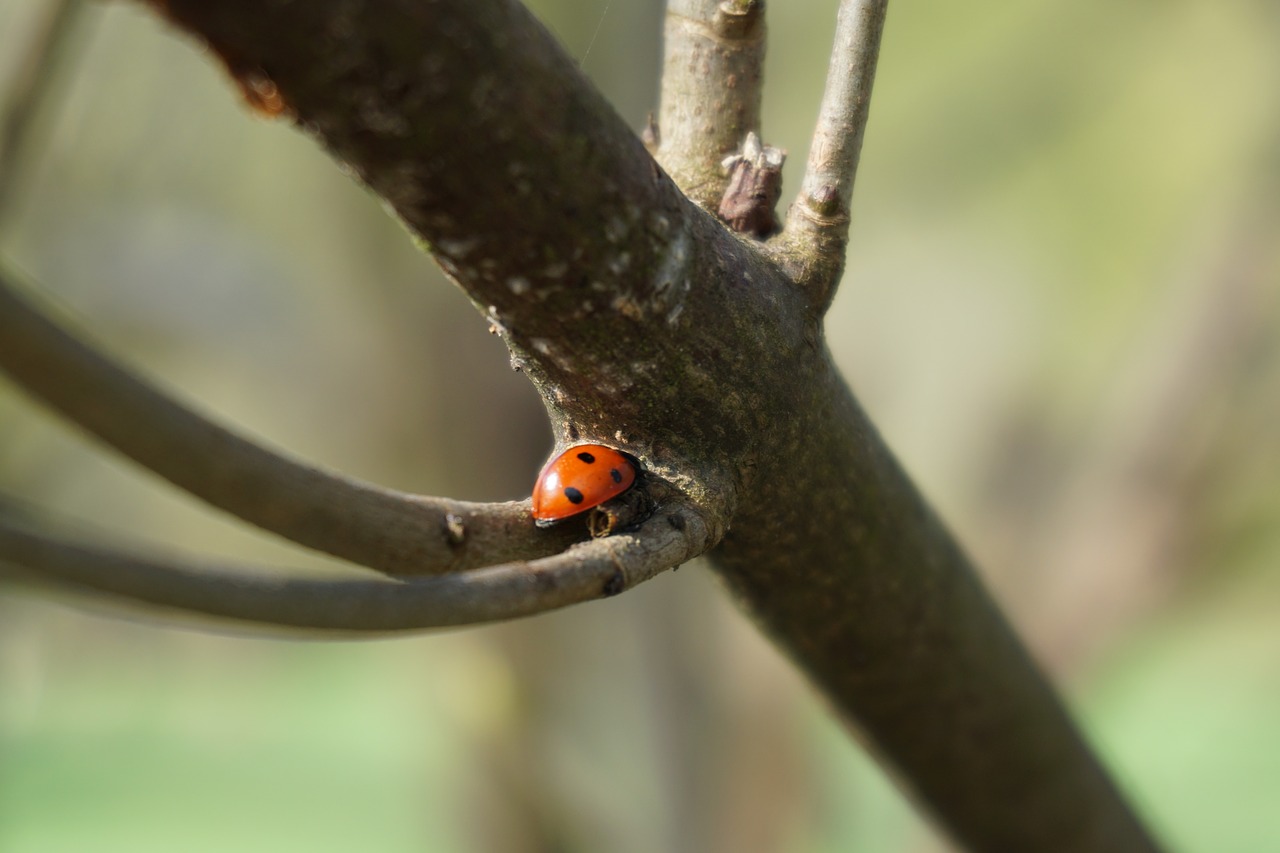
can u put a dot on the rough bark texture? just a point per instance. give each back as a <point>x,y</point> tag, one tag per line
<point>711,89</point>
<point>868,593</point>
<point>647,325</point>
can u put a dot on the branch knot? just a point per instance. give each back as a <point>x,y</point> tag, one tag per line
<point>755,185</point>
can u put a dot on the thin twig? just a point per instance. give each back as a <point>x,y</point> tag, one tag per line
<point>587,571</point>
<point>387,530</point>
<point>818,223</point>
<point>28,89</point>
<point>711,90</point>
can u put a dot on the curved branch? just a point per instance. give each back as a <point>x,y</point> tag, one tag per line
<point>712,81</point>
<point>587,571</point>
<point>383,529</point>
<point>817,228</point>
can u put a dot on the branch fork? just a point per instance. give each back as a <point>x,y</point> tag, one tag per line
<point>697,344</point>
<point>814,241</point>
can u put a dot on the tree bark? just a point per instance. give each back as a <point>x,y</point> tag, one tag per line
<point>647,325</point>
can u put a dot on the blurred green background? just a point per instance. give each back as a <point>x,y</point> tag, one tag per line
<point>1061,308</point>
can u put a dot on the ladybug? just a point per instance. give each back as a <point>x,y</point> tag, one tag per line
<point>578,479</point>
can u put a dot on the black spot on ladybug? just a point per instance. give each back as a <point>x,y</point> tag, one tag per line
<point>586,457</point>
<point>574,496</point>
<point>616,475</point>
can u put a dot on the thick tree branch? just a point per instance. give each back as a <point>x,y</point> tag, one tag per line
<point>584,572</point>
<point>868,592</point>
<point>817,227</point>
<point>609,286</point>
<point>712,81</point>
<point>380,528</point>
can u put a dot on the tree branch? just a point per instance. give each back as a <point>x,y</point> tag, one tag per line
<point>598,273</point>
<point>646,324</point>
<point>817,228</point>
<point>868,592</point>
<point>584,572</point>
<point>712,80</point>
<point>31,82</point>
<point>390,531</point>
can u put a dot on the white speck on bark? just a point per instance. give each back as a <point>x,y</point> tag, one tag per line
<point>619,263</point>
<point>672,269</point>
<point>615,230</point>
<point>457,249</point>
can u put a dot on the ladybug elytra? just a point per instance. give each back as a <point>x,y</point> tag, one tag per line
<point>578,479</point>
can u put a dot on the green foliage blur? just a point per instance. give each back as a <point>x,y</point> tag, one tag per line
<point>1060,308</point>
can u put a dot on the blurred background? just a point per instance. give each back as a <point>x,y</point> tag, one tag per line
<point>1062,308</point>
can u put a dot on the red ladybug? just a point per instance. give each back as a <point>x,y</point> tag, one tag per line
<point>578,479</point>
